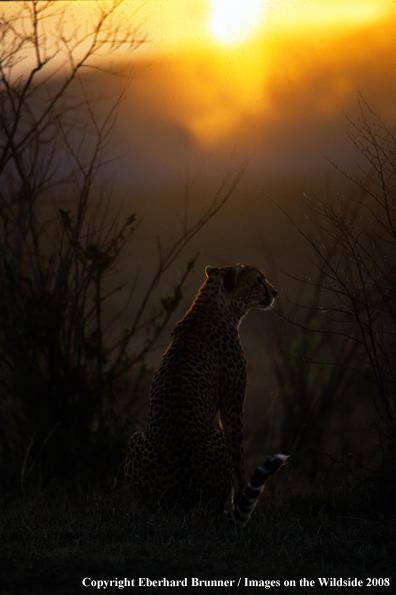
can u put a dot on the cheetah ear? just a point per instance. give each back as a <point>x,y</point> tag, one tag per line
<point>230,278</point>
<point>209,270</point>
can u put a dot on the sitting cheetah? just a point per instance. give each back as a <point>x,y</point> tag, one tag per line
<point>181,460</point>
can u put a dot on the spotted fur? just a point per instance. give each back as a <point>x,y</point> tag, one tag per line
<point>181,460</point>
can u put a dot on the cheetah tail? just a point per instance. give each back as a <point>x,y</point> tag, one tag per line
<point>255,486</point>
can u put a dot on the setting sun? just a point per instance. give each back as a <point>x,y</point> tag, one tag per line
<point>229,69</point>
<point>233,21</point>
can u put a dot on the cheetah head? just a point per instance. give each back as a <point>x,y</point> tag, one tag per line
<point>246,286</point>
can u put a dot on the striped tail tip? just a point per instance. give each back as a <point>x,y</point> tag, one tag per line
<point>255,486</point>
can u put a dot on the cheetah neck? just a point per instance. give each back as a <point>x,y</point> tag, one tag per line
<point>215,305</point>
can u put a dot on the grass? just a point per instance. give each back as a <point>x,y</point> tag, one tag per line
<point>50,544</point>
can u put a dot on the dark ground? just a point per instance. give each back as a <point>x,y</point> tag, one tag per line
<point>50,544</point>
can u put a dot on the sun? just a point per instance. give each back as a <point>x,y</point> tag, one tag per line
<point>234,21</point>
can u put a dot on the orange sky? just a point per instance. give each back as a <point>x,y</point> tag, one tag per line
<point>278,97</point>
<point>175,24</point>
<point>232,76</point>
<point>273,87</point>
<point>281,92</point>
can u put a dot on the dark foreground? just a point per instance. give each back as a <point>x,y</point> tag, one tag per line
<point>63,546</point>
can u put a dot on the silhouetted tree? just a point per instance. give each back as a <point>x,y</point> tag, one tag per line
<point>61,374</point>
<point>353,240</point>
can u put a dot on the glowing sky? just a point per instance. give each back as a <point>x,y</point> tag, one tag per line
<point>230,62</point>
<point>175,23</point>
<point>255,74</point>
<point>232,21</point>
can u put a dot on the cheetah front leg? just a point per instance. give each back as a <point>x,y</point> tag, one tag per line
<point>232,425</point>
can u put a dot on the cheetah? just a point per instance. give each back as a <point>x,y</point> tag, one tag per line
<point>181,460</point>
